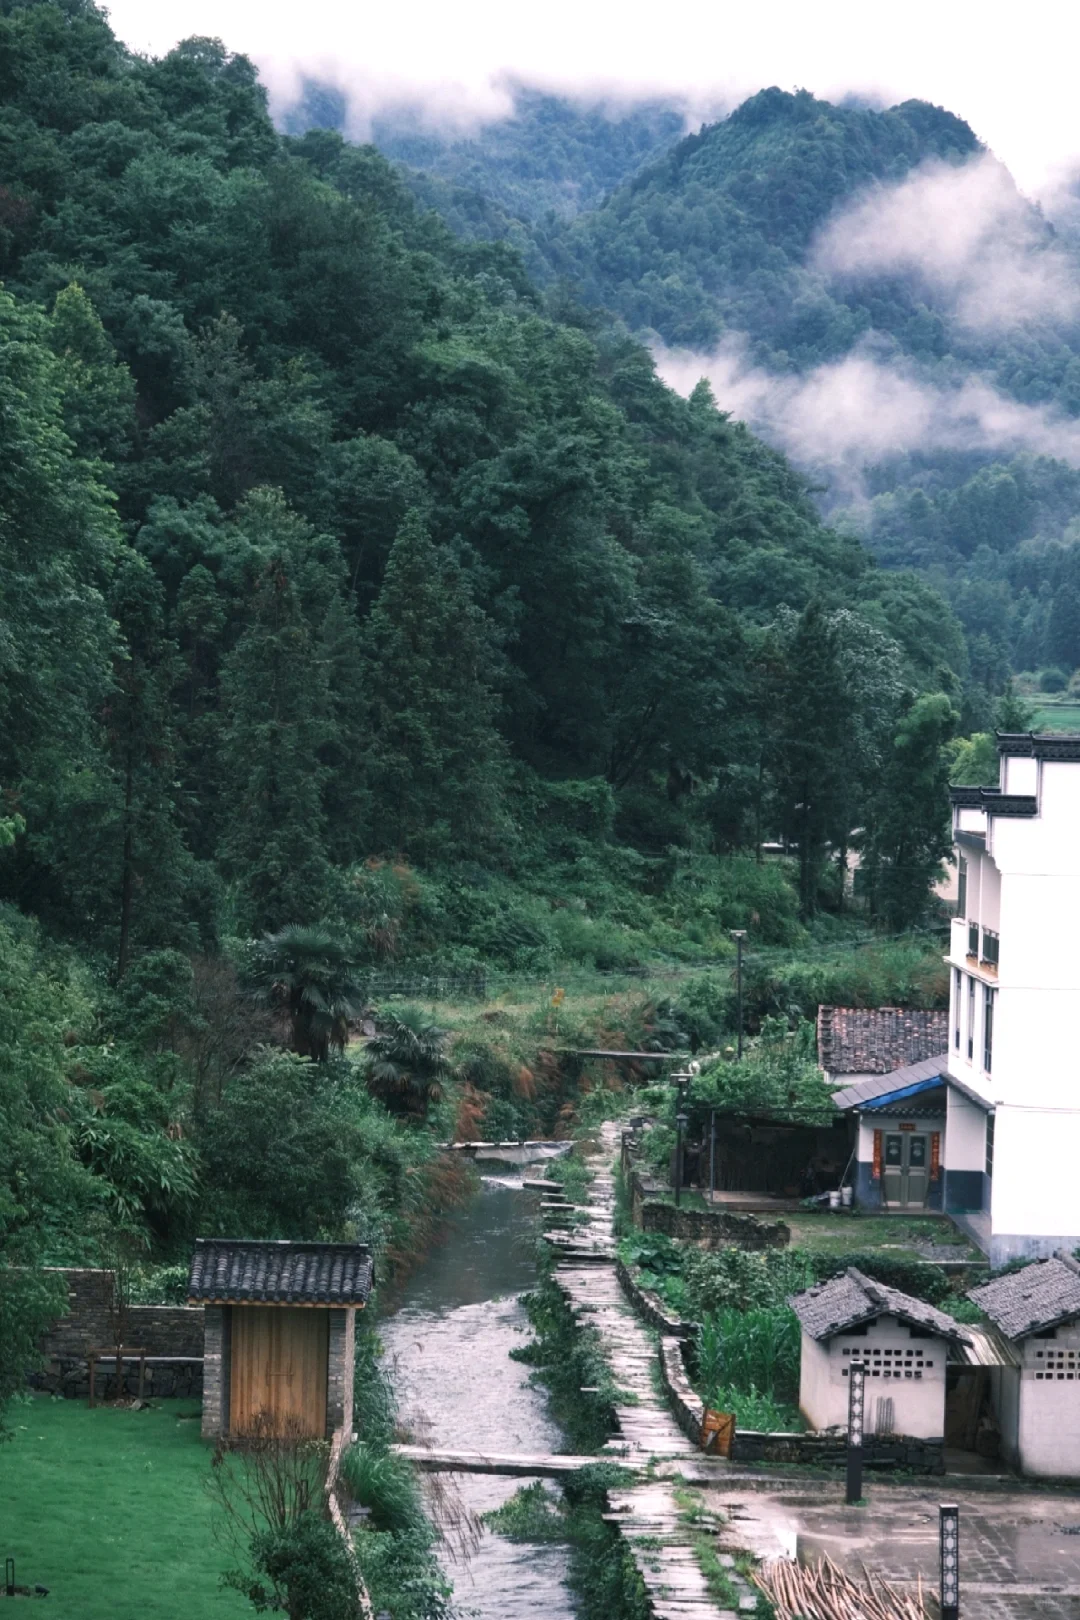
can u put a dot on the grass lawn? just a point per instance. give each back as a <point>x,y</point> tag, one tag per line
<point>1057,717</point>
<point>839,1234</point>
<point>107,1509</point>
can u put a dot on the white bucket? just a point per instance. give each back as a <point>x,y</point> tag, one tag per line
<point>846,1195</point>
<point>834,1200</point>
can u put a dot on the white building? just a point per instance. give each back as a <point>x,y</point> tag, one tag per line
<point>1036,1394</point>
<point>902,1342</point>
<point>1011,1152</point>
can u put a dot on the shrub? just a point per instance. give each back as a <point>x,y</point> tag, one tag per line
<point>916,1277</point>
<point>309,1571</point>
<point>1053,680</point>
<point>738,1279</point>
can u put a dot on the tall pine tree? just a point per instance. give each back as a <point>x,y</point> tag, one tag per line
<point>437,764</point>
<point>277,699</point>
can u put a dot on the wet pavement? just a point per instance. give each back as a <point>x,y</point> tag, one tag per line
<point>1019,1548</point>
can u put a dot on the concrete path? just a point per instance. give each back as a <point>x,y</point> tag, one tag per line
<point>647,1514</point>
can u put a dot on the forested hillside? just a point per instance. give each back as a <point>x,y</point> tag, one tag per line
<point>794,236</point>
<point>366,609</point>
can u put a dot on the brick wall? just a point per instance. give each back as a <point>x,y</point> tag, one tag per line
<point>90,1323</point>
<point>339,1378</point>
<point>215,1416</point>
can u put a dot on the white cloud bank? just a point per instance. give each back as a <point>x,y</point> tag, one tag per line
<point>1010,74</point>
<point>969,237</point>
<point>841,417</point>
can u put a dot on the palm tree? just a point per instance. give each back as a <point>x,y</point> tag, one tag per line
<point>310,974</point>
<point>406,1062</point>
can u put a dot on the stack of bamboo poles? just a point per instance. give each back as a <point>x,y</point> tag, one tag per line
<point>823,1592</point>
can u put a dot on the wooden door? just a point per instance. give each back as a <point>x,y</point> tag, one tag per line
<point>279,1364</point>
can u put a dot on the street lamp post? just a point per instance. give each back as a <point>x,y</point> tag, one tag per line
<point>738,935</point>
<point>712,1154</point>
<point>680,1125</point>
<point>856,1410</point>
<point>949,1521</point>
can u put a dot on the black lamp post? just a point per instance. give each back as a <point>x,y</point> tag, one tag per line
<point>738,935</point>
<point>949,1519</point>
<point>681,1123</point>
<point>856,1412</point>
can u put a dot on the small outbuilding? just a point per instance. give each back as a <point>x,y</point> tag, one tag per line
<point>902,1341</point>
<point>1037,1398</point>
<point>279,1333</point>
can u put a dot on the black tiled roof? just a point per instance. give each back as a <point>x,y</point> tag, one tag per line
<point>851,1298</point>
<point>1040,1296</point>
<point>877,1040</point>
<point>244,1271</point>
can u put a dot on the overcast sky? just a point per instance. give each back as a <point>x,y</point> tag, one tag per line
<point>1009,69</point>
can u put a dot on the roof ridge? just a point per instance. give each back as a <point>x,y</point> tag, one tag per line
<point>1069,1260</point>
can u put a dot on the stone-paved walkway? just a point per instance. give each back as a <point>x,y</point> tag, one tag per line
<point>647,1514</point>
<point>1019,1548</point>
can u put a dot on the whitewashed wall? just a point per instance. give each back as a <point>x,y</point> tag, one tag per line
<point>916,1387</point>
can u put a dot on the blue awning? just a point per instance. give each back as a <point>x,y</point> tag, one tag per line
<point>902,1092</point>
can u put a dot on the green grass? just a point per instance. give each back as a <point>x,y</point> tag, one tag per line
<point>844,1234</point>
<point>1056,717</point>
<point>107,1509</point>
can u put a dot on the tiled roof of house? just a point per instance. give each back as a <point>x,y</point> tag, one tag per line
<point>877,1040</point>
<point>244,1271</point>
<point>851,1298</point>
<point>1040,1296</point>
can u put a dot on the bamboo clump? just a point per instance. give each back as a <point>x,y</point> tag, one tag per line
<point>823,1592</point>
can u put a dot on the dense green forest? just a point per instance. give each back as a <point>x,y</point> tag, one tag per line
<point>367,610</point>
<point>714,239</point>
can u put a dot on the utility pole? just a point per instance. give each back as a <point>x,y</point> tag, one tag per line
<point>738,935</point>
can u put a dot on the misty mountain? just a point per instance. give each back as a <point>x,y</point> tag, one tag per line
<point>554,155</point>
<point>866,287</point>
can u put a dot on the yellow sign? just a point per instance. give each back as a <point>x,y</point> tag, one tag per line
<point>717,1432</point>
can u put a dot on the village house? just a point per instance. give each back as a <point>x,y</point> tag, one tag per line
<point>902,1342</point>
<point>279,1333</point>
<point>888,1064</point>
<point>1012,1133</point>
<point>1035,1392</point>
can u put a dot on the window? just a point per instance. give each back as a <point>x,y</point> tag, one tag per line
<point>990,1144</point>
<point>961,887</point>
<point>957,989</point>
<point>971,1020</point>
<point>973,940</point>
<point>989,948</point>
<point>988,1026</point>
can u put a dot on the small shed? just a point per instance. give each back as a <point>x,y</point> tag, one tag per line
<point>279,1332</point>
<point>902,1341</point>
<point>1037,1311</point>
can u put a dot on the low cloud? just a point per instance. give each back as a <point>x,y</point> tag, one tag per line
<point>841,418</point>
<point>976,245</point>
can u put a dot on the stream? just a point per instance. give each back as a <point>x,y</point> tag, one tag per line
<point>447,1340</point>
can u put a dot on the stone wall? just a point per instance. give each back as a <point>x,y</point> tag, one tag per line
<point>163,1331</point>
<point>650,1306</point>
<point>713,1228</point>
<point>825,1450</point>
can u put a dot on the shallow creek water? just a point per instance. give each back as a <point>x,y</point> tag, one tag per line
<point>447,1339</point>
